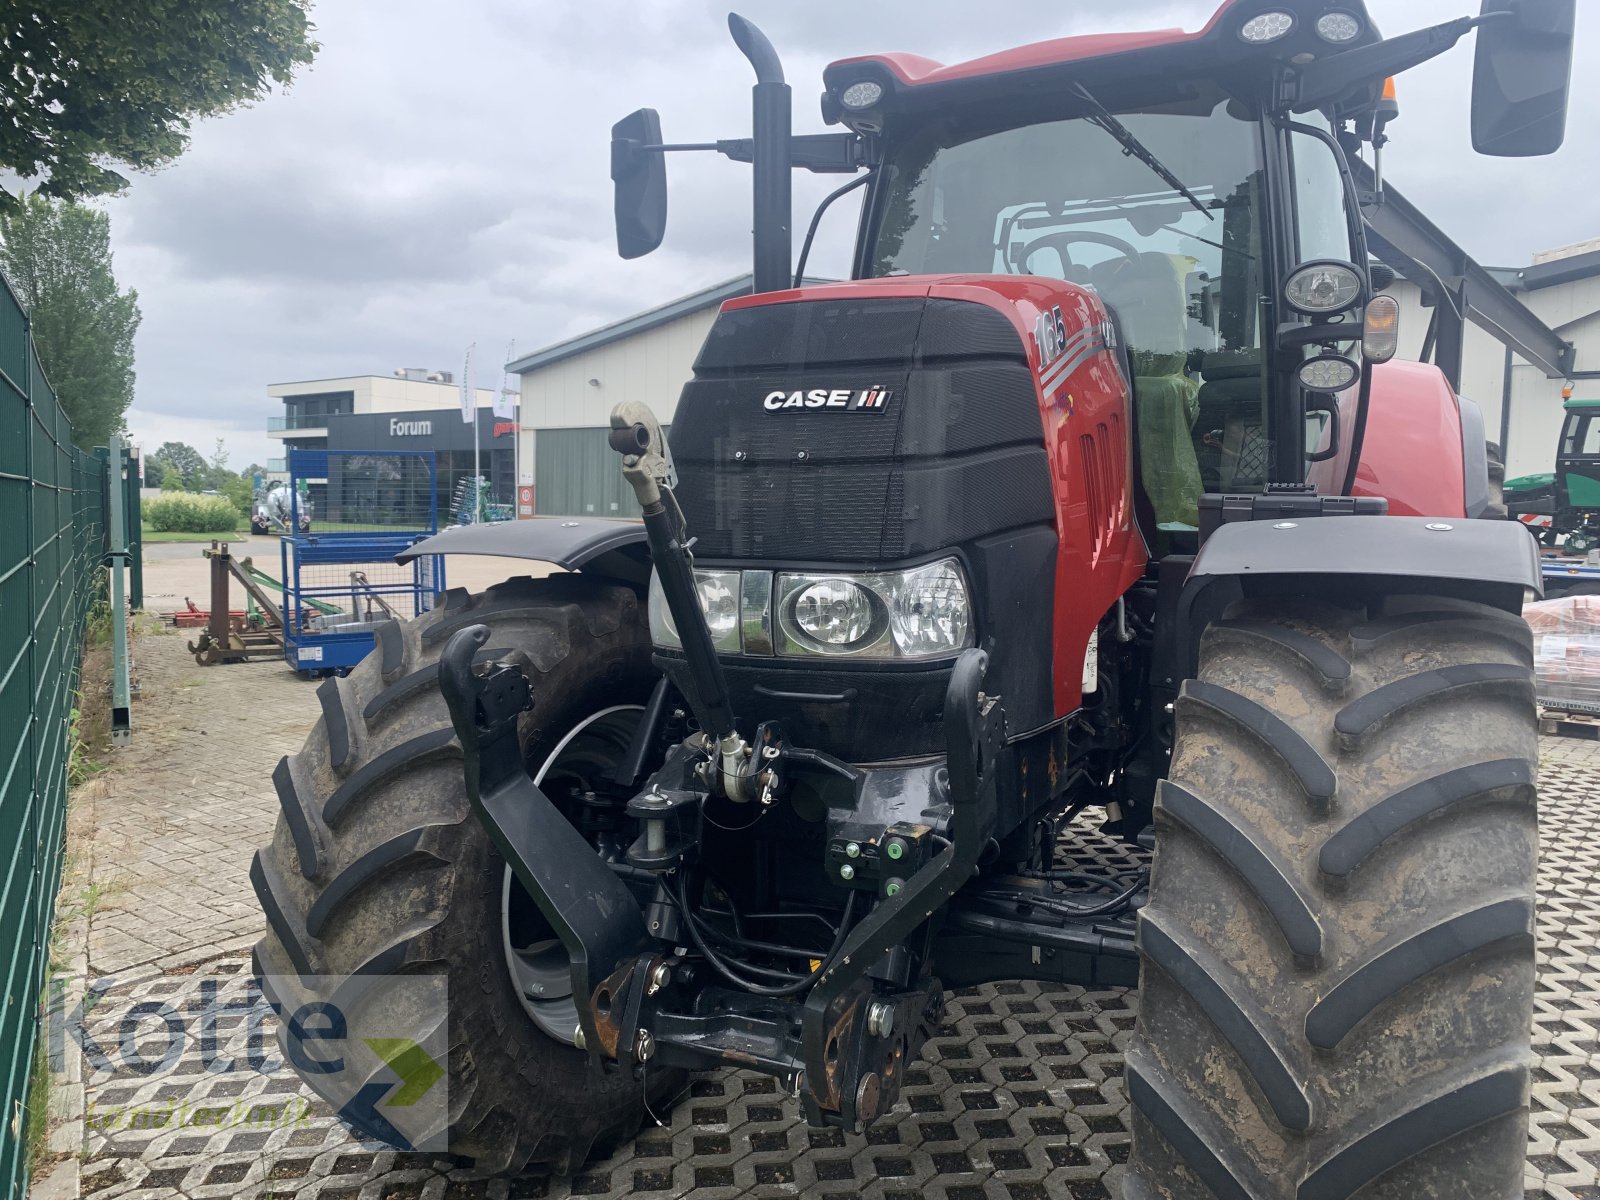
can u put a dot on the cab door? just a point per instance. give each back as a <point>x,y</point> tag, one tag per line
<point>1578,460</point>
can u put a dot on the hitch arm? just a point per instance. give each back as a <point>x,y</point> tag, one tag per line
<point>589,907</point>
<point>636,435</point>
<point>839,1086</point>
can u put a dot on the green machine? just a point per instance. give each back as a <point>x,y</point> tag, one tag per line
<point>1567,502</point>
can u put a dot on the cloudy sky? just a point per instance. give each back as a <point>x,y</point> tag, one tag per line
<point>440,177</point>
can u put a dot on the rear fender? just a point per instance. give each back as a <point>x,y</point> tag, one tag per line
<point>596,546</point>
<point>1415,451</point>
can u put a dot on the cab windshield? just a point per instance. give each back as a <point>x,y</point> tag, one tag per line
<point>1184,278</point>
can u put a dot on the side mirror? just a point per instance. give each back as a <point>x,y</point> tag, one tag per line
<point>1522,77</point>
<point>640,179</point>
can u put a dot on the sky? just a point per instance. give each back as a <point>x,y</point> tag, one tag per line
<point>440,177</point>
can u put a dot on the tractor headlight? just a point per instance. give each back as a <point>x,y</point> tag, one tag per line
<point>929,614</point>
<point>917,614</point>
<point>719,601</point>
<point>835,612</point>
<point>920,613</point>
<point>1322,289</point>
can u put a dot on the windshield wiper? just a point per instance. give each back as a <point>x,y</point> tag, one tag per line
<point>1103,117</point>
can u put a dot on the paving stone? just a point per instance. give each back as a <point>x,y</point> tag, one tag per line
<point>1020,1096</point>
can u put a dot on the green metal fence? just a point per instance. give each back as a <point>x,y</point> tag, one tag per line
<point>52,545</point>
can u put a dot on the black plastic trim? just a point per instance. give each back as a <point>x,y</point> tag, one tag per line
<point>1474,458</point>
<point>598,546</point>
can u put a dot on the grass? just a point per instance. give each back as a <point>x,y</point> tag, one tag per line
<point>149,536</point>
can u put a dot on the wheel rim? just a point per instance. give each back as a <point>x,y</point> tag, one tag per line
<point>540,967</point>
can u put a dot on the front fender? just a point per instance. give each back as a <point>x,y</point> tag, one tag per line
<point>594,545</point>
<point>1492,562</point>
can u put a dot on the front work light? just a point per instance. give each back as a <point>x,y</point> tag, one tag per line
<point>1268,27</point>
<point>1338,27</point>
<point>1328,373</point>
<point>863,95</point>
<point>1323,288</point>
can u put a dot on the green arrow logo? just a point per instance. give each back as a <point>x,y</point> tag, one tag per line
<point>416,1068</point>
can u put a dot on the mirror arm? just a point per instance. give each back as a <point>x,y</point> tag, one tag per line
<point>1317,83</point>
<point>820,153</point>
<point>1290,336</point>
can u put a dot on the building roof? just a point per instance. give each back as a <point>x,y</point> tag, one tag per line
<point>638,323</point>
<point>711,297</point>
<point>1558,271</point>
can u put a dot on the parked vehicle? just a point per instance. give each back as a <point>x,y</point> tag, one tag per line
<point>274,510</point>
<point>1069,506</point>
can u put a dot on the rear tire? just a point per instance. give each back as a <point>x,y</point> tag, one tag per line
<point>378,865</point>
<point>1337,955</point>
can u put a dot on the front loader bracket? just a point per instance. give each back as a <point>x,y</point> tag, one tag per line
<point>592,911</point>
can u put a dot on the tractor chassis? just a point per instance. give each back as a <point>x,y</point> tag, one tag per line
<point>843,1045</point>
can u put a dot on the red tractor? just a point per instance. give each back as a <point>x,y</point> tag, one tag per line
<point>1091,501</point>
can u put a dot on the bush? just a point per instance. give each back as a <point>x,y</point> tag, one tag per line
<point>192,514</point>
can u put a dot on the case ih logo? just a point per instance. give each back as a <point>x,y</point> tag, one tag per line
<point>502,428</point>
<point>872,399</point>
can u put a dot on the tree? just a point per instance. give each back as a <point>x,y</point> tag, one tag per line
<point>154,470</point>
<point>184,461</point>
<point>58,258</point>
<point>96,82</point>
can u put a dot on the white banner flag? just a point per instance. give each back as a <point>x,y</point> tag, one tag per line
<point>469,394</point>
<point>505,400</point>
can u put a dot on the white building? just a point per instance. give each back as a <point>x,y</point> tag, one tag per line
<point>569,390</point>
<point>1561,288</point>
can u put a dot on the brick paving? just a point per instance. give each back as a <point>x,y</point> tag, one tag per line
<point>1020,1096</point>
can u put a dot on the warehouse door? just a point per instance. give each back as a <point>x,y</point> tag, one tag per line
<point>576,474</point>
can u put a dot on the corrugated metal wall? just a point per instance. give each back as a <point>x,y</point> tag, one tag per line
<point>52,547</point>
<point>576,474</point>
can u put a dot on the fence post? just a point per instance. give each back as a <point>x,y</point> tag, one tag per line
<point>134,519</point>
<point>117,559</point>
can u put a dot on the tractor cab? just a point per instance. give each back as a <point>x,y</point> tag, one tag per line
<point>1577,477</point>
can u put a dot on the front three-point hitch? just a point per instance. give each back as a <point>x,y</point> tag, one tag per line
<point>666,968</point>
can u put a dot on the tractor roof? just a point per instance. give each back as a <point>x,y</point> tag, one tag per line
<point>1582,404</point>
<point>1216,45</point>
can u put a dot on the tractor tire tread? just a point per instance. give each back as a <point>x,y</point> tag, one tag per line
<point>1407,1036</point>
<point>379,867</point>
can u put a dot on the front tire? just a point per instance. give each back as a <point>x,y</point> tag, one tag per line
<point>379,866</point>
<point>1337,955</point>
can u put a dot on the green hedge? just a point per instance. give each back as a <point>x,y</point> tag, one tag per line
<point>192,514</point>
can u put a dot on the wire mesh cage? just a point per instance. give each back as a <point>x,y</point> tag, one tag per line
<point>349,491</point>
<point>341,581</point>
